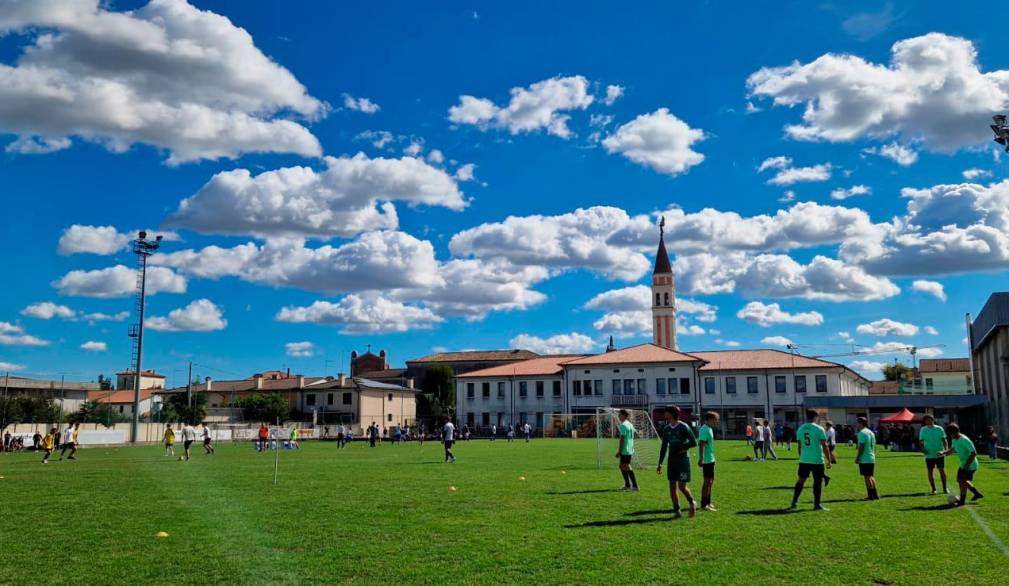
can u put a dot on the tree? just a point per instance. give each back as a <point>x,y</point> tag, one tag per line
<point>897,372</point>
<point>437,399</point>
<point>25,409</point>
<point>269,407</point>
<point>93,412</point>
<point>179,403</point>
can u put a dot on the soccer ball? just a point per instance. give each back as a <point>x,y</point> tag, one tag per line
<point>180,458</point>
<point>953,499</point>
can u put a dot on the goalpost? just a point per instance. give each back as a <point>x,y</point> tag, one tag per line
<point>646,438</point>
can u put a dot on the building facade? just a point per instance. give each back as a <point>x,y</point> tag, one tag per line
<point>989,340</point>
<point>148,380</point>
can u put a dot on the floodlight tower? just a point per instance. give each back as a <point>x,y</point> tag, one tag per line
<point>143,248</point>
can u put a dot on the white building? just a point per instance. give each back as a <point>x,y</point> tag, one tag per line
<point>148,380</point>
<point>740,384</point>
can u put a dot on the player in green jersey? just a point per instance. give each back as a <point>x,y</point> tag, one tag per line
<point>706,457</point>
<point>866,458</point>
<point>814,458</point>
<point>677,439</point>
<point>933,445</point>
<point>964,450</point>
<point>625,452</point>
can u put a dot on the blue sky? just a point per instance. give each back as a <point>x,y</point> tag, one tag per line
<point>397,213</point>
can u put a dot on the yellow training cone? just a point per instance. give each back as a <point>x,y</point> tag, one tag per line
<point>564,471</point>
<point>162,534</point>
<point>451,489</point>
<point>522,477</point>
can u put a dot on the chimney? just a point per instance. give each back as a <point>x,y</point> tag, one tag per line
<point>409,383</point>
<point>209,382</point>
<point>301,381</point>
<point>342,379</point>
<point>289,372</point>
<point>259,381</point>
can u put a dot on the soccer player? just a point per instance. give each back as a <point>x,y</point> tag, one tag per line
<point>814,458</point>
<point>49,444</point>
<point>264,437</point>
<point>188,437</point>
<point>448,438</point>
<point>866,458</point>
<point>706,457</point>
<point>933,444</point>
<point>207,448</point>
<point>527,430</point>
<point>768,441</point>
<point>70,441</point>
<point>749,434</point>
<point>169,440</point>
<point>493,432</point>
<point>677,438</point>
<point>964,449</point>
<point>294,439</point>
<point>832,441</point>
<point>758,441</point>
<point>511,433</point>
<point>625,451</point>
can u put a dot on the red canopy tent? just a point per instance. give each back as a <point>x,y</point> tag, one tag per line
<point>903,416</point>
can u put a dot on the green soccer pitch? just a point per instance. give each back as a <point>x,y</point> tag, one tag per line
<point>386,515</point>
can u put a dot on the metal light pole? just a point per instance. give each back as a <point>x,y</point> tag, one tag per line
<point>143,248</point>
<point>795,396</point>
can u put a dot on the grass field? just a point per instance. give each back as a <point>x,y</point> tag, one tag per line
<point>385,515</point>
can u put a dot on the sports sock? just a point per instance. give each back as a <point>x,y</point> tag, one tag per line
<point>627,479</point>
<point>974,491</point>
<point>634,480</point>
<point>817,491</point>
<point>796,493</point>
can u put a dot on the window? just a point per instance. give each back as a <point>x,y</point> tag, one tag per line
<point>709,385</point>
<point>310,399</point>
<point>557,388</point>
<point>390,396</point>
<point>616,386</point>
<point>660,386</point>
<point>539,420</point>
<point>470,390</point>
<point>628,386</point>
<point>523,389</point>
<point>779,384</point>
<point>576,388</point>
<point>751,385</point>
<point>928,383</point>
<point>500,390</point>
<point>500,419</point>
<point>684,386</point>
<point>485,390</point>
<point>470,419</point>
<point>485,419</point>
<point>642,387</point>
<point>672,385</point>
<point>329,399</point>
<point>730,385</point>
<point>821,383</point>
<point>348,398</point>
<point>523,418</point>
<point>800,383</point>
<point>665,299</point>
<point>539,388</point>
<point>598,383</point>
<point>389,418</point>
<point>657,299</point>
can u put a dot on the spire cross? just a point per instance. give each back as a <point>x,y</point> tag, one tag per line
<point>662,226</point>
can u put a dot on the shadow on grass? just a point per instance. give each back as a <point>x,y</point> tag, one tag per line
<point>768,512</point>
<point>620,522</point>
<point>593,491</point>
<point>942,507</point>
<point>646,513</point>
<point>790,487</point>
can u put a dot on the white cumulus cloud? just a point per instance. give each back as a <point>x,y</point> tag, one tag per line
<point>887,327</point>
<point>201,315</point>
<point>362,314</point>
<point>300,349</point>
<point>768,314</point>
<point>537,107</point>
<point>118,281</point>
<point>776,341</point>
<point>93,346</point>
<point>658,140</point>
<point>572,343</point>
<point>361,104</point>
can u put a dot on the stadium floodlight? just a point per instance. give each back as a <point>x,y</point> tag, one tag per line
<point>1001,130</point>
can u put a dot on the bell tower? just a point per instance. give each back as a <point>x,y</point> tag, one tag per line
<point>663,296</point>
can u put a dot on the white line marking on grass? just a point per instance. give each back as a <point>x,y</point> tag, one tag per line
<point>991,534</point>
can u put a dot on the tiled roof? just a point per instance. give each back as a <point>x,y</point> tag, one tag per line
<point>884,387</point>
<point>640,354</point>
<point>147,373</point>
<point>118,397</point>
<point>477,356</point>
<point>757,359</point>
<point>387,373</point>
<point>944,365</point>
<point>542,366</point>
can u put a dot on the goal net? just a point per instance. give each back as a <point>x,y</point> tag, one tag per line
<point>646,438</point>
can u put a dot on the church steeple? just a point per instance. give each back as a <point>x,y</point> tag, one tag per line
<point>663,296</point>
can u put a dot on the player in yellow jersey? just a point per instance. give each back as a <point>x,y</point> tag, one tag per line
<point>169,440</point>
<point>49,444</point>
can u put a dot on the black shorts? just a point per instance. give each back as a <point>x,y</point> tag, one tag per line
<point>188,443</point>
<point>678,471</point>
<point>817,470</point>
<point>206,441</point>
<point>964,474</point>
<point>624,459</point>
<point>448,444</point>
<point>758,444</point>
<point>708,470</point>
<point>867,469</point>
<point>939,463</point>
<point>69,446</point>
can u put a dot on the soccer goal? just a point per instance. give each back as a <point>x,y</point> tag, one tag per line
<point>646,438</point>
